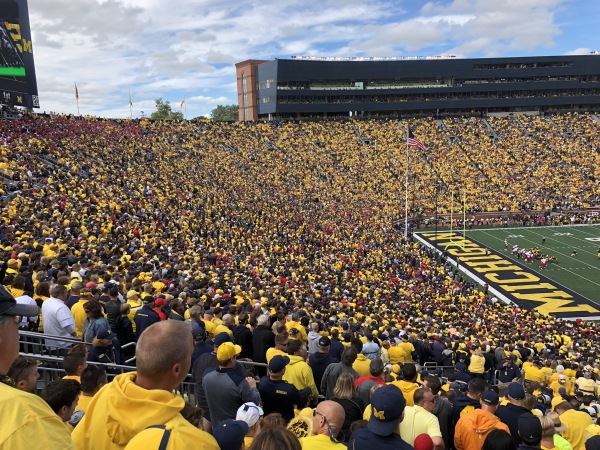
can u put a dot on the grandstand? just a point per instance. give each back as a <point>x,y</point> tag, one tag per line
<point>289,217</point>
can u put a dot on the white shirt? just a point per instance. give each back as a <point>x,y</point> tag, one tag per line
<point>26,300</point>
<point>58,321</point>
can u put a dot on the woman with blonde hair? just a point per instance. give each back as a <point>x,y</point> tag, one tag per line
<point>345,394</point>
<point>477,364</point>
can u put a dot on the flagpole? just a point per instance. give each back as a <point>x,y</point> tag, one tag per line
<point>464,215</point>
<point>451,209</point>
<point>130,106</point>
<point>76,97</point>
<point>406,193</point>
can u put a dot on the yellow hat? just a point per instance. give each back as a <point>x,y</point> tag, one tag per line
<point>227,351</point>
<point>557,400</point>
<point>592,430</point>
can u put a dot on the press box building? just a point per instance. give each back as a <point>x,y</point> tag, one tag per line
<point>332,87</point>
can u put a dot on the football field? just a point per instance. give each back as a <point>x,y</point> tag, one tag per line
<point>568,287</point>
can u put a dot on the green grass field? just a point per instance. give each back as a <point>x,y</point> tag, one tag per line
<point>580,274</point>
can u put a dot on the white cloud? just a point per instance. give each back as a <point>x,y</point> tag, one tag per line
<point>579,51</point>
<point>175,48</point>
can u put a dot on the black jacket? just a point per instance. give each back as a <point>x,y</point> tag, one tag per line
<point>262,339</point>
<point>318,362</point>
<point>243,337</point>
<point>510,414</point>
<point>144,317</point>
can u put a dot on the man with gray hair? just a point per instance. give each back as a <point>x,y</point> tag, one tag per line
<point>313,338</point>
<point>263,339</point>
<point>226,325</point>
<point>134,401</point>
<point>58,320</point>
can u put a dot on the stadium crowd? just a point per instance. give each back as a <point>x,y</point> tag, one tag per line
<point>273,243</point>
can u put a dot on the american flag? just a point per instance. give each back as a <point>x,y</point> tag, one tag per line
<point>414,142</point>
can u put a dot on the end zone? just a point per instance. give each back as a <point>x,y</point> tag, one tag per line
<point>510,281</point>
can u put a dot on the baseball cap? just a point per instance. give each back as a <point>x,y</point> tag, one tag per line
<point>324,341</point>
<point>198,331</point>
<point>278,363</point>
<point>230,434</point>
<point>249,413</point>
<point>490,398</point>
<point>132,293</point>
<point>593,443</point>
<point>294,332</point>
<point>423,442</point>
<point>10,307</point>
<point>91,285</point>
<point>221,338</point>
<point>556,400</point>
<point>227,351</point>
<point>160,301</point>
<point>530,427</point>
<point>388,405</point>
<point>516,391</point>
<point>103,332</point>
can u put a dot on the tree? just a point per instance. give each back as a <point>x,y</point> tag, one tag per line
<point>225,113</point>
<point>164,111</point>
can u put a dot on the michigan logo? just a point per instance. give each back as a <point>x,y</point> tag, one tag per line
<point>379,414</point>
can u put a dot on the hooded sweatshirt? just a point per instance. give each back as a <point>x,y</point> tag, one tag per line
<point>122,409</point>
<point>461,402</point>
<point>473,427</point>
<point>408,389</point>
<point>298,373</point>
<point>313,342</point>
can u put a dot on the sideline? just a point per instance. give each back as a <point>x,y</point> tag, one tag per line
<point>510,281</point>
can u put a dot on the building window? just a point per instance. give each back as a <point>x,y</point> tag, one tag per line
<point>245,95</point>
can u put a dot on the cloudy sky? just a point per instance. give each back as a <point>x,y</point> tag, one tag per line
<point>178,49</point>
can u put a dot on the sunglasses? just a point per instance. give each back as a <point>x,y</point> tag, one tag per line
<point>26,363</point>
<point>329,429</point>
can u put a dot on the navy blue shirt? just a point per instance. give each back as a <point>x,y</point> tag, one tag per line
<point>365,439</point>
<point>144,317</point>
<point>281,396</point>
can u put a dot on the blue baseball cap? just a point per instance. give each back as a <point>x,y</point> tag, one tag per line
<point>230,434</point>
<point>516,391</point>
<point>387,405</point>
<point>221,338</point>
<point>489,397</point>
<point>278,363</point>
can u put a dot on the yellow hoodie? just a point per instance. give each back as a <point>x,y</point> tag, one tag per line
<point>300,374</point>
<point>28,423</point>
<point>122,409</point>
<point>408,390</point>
